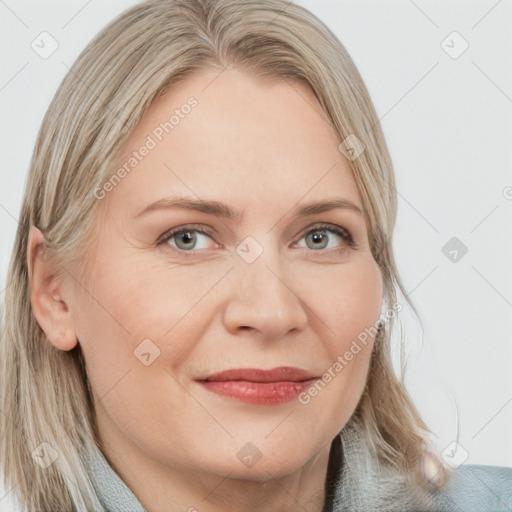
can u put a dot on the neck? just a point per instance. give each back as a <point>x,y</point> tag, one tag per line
<point>162,487</point>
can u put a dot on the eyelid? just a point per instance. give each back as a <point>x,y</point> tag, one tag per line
<point>164,237</point>
<point>341,231</point>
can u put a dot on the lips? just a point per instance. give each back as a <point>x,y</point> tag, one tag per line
<point>280,374</point>
<point>258,386</point>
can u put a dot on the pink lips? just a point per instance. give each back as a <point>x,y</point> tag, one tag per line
<point>256,386</point>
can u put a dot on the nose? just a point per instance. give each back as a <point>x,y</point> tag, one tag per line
<point>263,300</point>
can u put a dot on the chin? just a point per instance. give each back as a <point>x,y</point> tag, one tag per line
<point>249,461</point>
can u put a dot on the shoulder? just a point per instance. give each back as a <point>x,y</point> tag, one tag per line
<point>476,487</point>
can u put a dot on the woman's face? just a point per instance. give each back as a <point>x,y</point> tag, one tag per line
<point>259,289</point>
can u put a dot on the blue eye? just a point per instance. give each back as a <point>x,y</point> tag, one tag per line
<point>318,236</point>
<point>187,239</point>
<point>184,238</point>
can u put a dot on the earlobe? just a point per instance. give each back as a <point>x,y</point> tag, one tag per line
<point>47,295</point>
<point>65,340</point>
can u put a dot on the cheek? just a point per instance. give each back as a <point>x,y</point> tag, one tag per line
<point>124,327</point>
<point>151,295</point>
<point>349,307</point>
<point>348,302</point>
<point>134,313</point>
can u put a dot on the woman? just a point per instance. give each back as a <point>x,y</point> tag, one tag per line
<point>200,300</point>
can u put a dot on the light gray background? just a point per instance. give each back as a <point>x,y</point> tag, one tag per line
<point>448,126</point>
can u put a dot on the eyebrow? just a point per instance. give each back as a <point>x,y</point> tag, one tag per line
<point>223,210</point>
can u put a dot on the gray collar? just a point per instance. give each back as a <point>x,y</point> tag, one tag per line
<point>113,493</point>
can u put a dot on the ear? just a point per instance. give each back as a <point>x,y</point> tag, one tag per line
<point>49,294</point>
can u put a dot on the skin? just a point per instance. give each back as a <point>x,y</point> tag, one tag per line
<point>264,148</point>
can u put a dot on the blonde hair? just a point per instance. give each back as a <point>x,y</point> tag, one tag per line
<point>45,394</point>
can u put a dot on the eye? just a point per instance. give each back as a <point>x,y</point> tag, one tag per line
<point>317,236</point>
<point>191,238</point>
<point>187,239</point>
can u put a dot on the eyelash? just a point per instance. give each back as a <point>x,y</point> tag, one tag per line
<point>333,228</point>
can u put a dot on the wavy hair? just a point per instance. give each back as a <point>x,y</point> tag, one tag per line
<point>45,394</point>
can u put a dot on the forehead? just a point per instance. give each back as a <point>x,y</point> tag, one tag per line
<point>235,137</point>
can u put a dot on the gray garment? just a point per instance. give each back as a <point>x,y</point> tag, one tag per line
<point>353,485</point>
<point>357,486</point>
<point>113,493</point>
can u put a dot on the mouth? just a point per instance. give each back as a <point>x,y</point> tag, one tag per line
<point>258,386</point>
